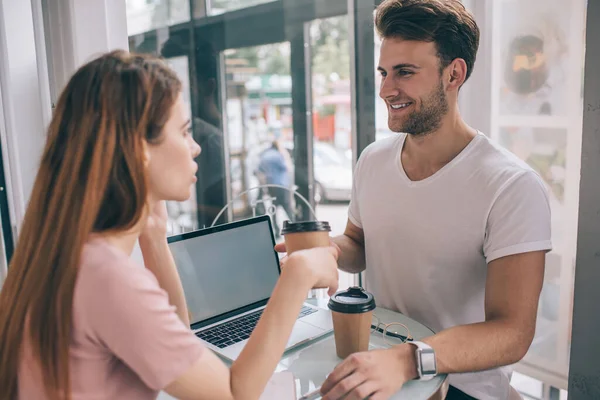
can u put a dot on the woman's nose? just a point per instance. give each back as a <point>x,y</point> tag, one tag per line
<point>196,149</point>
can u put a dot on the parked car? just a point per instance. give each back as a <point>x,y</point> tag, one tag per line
<point>333,173</point>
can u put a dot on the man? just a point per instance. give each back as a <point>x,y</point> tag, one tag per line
<point>451,229</point>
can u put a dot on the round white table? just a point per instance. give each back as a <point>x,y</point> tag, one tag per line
<point>312,362</point>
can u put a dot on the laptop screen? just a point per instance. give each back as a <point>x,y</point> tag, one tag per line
<point>229,267</point>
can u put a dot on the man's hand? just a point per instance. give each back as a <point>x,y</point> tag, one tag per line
<point>375,375</point>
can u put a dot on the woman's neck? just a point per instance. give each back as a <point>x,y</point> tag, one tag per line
<point>124,240</point>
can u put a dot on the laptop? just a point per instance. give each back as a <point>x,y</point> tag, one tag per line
<point>228,273</point>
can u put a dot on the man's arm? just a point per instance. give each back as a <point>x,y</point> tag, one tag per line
<point>512,293</point>
<point>513,288</point>
<point>352,249</point>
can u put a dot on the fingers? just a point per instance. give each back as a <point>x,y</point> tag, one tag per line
<point>283,261</point>
<point>344,387</point>
<point>332,288</point>
<point>379,396</point>
<point>333,248</point>
<point>334,252</point>
<point>344,369</point>
<point>280,247</point>
<point>334,245</point>
<point>363,391</point>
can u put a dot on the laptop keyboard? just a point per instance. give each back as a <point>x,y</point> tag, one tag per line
<point>239,329</point>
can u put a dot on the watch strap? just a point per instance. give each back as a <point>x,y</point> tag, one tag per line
<point>426,362</point>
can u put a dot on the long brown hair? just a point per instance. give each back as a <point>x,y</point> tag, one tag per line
<point>91,179</point>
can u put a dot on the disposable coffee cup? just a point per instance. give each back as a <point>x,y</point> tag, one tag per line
<point>352,312</point>
<point>305,235</point>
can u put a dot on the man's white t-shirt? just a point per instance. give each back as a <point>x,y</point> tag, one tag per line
<point>428,242</point>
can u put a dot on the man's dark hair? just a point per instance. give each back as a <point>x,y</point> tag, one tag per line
<point>444,22</point>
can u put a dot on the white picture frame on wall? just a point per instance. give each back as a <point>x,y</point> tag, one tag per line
<point>536,79</point>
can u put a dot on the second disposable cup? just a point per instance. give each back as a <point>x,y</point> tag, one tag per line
<point>352,312</point>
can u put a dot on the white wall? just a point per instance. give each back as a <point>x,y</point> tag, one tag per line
<point>42,42</point>
<point>79,30</point>
<point>23,94</point>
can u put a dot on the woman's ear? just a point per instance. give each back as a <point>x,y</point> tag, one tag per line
<point>146,149</point>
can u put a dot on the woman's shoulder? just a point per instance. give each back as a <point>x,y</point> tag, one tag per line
<point>105,268</point>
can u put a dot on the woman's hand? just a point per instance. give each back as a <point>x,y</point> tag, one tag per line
<point>319,263</point>
<point>156,223</point>
<point>280,248</point>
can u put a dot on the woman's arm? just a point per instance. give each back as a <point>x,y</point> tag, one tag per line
<point>159,260</point>
<point>210,379</point>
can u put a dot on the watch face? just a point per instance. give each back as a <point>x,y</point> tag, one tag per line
<point>428,366</point>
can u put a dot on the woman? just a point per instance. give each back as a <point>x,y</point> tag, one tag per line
<point>78,319</point>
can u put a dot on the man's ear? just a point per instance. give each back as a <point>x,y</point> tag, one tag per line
<point>457,73</point>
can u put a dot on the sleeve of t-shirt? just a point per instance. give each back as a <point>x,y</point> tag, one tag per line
<point>134,320</point>
<point>354,209</point>
<point>519,220</point>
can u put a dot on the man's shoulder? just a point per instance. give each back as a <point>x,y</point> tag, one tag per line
<point>382,147</point>
<point>494,169</point>
<point>493,159</point>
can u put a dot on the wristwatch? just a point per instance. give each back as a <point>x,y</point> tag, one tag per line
<point>425,356</point>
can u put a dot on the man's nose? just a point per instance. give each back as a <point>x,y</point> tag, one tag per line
<point>388,90</point>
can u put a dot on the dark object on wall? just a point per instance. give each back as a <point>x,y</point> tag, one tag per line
<point>526,69</point>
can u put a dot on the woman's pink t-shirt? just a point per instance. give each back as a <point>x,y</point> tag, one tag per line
<point>127,341</point>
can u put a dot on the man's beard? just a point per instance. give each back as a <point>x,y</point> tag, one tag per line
<point>426,120</point>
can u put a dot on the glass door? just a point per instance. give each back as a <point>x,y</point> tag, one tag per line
<point>268,83</point>
<point>287,115</point>
<point>331,120</point>
<point>260,132</point>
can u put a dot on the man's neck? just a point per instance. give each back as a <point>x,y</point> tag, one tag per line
<point>423,156</point>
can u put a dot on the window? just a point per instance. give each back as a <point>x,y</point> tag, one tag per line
<point>381,112</point>
<point>251,84</point>
<point>332,123</point>
<point>259,121</point>
<point>145,15</point>
<point>267,71</point>
<point>222,6</point>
